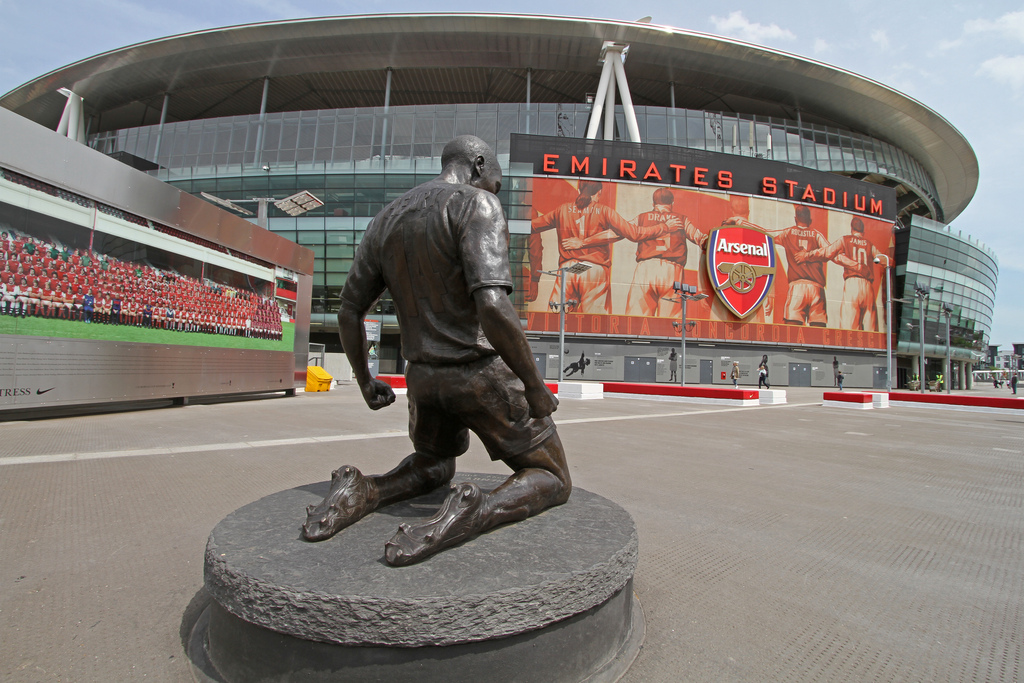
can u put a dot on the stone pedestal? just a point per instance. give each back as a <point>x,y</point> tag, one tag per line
<point>546,599</point>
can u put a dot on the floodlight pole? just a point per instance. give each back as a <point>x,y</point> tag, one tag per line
<point>682,343</point>
<point>561,322</point>
<point>888,324</point>
<point>262,218</point>
<point>561,305</point>
<point>686,293</point>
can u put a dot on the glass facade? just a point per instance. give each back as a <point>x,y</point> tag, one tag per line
<point>411,138</point>
<point>961,274</point>
<point>350,201</point>
<point>358,160</point>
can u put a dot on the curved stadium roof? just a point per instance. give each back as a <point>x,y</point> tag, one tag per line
<point>340,62</point>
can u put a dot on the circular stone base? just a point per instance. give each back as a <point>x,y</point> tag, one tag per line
<point>545,599</point>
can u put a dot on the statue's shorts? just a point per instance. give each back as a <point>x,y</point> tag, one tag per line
<point>485,396</point>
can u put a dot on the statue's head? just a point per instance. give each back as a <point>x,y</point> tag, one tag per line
<point>470,153</point>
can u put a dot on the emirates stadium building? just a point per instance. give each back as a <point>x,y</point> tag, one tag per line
<point>798,191</point>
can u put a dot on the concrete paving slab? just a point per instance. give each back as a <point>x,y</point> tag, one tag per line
<point>786,542</point>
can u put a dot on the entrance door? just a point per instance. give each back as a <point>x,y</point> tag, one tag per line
<point>542,363</point>
<point>879,377</point>
<point>639,369</point>
<point>799,374</point>
<point>707,371</point>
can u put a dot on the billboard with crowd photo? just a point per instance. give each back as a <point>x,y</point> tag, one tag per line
<point>123,279</point>
<point>776,269</point>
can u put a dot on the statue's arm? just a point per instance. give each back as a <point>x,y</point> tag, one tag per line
<point>483,250</point>
<point>377,393</point>
<point>500,324</point>
<point>363,287</point>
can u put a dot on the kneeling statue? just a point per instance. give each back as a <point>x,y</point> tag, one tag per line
<point>441,249</point>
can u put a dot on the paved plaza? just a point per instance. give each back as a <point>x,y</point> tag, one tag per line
<point>789,543</point>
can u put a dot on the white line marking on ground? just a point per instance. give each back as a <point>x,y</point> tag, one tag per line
<point>1005,450</point>
<point>857,433</point>
<point>648,416</point>
<point>198,448</point>
<point>241,445</point>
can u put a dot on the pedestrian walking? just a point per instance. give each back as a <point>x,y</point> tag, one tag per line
<point>762,373</point>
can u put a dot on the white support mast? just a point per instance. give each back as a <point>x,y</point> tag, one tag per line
<point>72,120</point>
<point>613,77</point>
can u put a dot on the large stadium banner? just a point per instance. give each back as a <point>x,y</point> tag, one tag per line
<point>777,265</point>
<point>96,273</point>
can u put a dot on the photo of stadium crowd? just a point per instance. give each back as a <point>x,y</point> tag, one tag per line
<point>44,279</point>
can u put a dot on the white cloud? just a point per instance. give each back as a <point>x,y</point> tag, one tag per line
<point>820,46</point>
<point>1010,25</point>
<point>738,26</point>
<point>1005,70</point>
<point>880,38</point>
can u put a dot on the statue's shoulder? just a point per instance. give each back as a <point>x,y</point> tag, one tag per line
<point>481,200</point>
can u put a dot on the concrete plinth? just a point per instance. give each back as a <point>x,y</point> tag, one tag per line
<point>771,397</point>
<point>546,599</point>
<point>581,391</point>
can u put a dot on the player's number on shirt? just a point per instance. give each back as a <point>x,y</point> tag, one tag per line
<point>581,226</point>
<point>860,255</point>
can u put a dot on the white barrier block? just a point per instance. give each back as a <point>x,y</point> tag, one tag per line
<point>846,404</point>
<point>771,397</point>
<point>583,391</point>
<point>880,400</point>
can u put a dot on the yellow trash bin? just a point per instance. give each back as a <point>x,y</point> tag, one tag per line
<point>318,379</point>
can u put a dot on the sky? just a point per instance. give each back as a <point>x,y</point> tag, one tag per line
<point>963,60</point>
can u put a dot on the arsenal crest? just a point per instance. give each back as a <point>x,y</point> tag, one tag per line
<point>741,265</point>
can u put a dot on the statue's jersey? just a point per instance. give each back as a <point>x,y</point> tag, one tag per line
<point>432,248</point>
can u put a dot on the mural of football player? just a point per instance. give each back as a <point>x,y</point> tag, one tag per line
<point>805,302</point>
<point>660,261</point>
<point>856,255</point>
<point>586,229</point>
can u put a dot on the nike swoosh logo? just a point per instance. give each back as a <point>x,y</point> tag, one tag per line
<point>43,391</point>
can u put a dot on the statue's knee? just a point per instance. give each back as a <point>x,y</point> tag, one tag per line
<point>565,489</point>
<point>440,472</point>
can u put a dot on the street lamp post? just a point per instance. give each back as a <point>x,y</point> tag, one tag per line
<point>562,304</point>
<point>686,293</point>
<point>888,324</point>
<point>922,293</point>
